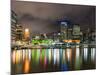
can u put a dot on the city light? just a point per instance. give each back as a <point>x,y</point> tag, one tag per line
<point>68,54</point>
<point>48,44</point>
<point>29,51</point>
<point>13,57</point>
<point>26,66</point>
<point>49,55</point>
<point>64,66</point>
<point>58,56</point>
<point>85,54</point>
<point>37,56</point>
<point>54,56</point>
<point>93,54</point>
<point>64,56</point>
<point>27,33</point>
<point>33,55</point>
<point>61,55</point>
<point>27,30</point>
<point>17,56</point>
<point>42,56</point>
<point>77,59</point>
<point>45,58</point>
<point>23,54</point>
<point>70,41</point>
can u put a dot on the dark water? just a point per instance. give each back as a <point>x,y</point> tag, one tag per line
<point>52,60</point>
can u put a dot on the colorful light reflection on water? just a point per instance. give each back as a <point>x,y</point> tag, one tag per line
<point>85,54</point>
<point>27,60</point>
<point>93,54</point>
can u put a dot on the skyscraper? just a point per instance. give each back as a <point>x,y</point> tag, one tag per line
<point>13,26</point>
<point>19,32</point>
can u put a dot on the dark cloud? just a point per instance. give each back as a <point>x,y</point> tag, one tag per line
<point>41,17</point>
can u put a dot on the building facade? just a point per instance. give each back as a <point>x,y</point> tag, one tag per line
<point>13,26</point>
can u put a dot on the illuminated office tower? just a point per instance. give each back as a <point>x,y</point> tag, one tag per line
<point>87,36</point>
<point>65,29</point>
<point>19,32</point>
<point>13,26</point>
<point>76,31</point>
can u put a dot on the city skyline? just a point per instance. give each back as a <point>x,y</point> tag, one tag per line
<point>51,37</point>
<point>42,17</point>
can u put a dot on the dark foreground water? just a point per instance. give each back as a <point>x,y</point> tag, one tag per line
<point>52,60</point>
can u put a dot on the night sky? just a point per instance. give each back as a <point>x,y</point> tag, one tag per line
<point>41,17</point>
